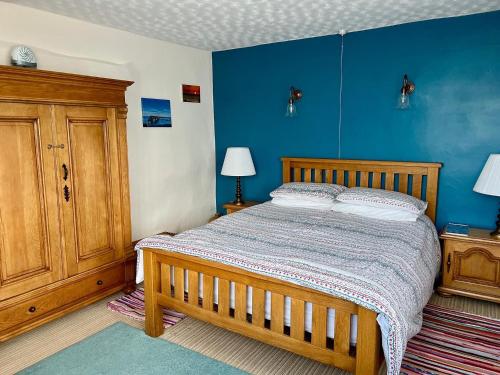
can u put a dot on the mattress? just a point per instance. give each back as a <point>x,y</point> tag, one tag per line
<point>330,328</point>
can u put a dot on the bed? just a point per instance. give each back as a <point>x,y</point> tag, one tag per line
<point>320,288</point>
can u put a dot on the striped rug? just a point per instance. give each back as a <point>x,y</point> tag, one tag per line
<point>450,342</point>
<point>132,305</point>
<point>453,342</point>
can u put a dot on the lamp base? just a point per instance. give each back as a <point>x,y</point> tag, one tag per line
<point>496,232</point>
<point>239,198</point>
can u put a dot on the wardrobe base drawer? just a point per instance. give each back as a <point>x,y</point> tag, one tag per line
<point>30,313</point>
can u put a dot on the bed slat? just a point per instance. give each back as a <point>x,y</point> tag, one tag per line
<point>165,279</point>
<point>329,176</point>
<point>403,183</point>
<point>193,287</point>
<point>297,175</point>
<point>179,283</point>
<point>340,177</point>
<point>223,305</point>
<point>376,180</point>
<point>342,332</point>
<point>297,319</point>
<point>352,179</point>
<point>277,302</point>
<point>258,307</point>
<point>363,181</point>
<point>389,181</point>
<point>307,175</point>
<point>240,303</point>
<point>319,326</point>
<point>318,175</point>
<point>208,292</point>
<point>417,186</point>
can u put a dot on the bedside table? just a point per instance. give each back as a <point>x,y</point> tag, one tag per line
<point>231,207</point>
<point>471,265</point>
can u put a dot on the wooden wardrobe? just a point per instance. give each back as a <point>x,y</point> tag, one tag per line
<point>65,238</point>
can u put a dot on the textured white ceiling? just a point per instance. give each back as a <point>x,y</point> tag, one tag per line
<point>225,24</point>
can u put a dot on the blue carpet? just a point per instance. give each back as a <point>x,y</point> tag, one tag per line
<point>121,349</point>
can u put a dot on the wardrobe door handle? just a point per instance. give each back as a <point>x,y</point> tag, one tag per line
<point>65,172</point>
<point>50,146</point>
<point>448,263</point>
<point>66,193</point>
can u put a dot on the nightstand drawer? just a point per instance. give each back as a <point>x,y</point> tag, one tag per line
<point>472,267</point>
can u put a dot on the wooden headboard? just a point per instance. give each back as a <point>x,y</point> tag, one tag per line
<point>417,179</point>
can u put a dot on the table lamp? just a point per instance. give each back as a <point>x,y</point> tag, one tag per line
<point>238,163</point>
<point>489,183</point>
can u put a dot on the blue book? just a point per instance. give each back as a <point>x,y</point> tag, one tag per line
<point>458,229</point>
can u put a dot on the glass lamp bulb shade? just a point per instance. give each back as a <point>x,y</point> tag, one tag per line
<point>404,101</point>
<point>291,110</point>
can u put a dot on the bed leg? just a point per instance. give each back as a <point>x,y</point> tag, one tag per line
<point>368,343</point>
<point>154,315</point>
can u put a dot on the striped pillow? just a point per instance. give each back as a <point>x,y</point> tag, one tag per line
<point>383,199</point>
<point>309,191</point>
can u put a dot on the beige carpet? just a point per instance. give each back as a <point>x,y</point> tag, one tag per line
<point>247,354</point>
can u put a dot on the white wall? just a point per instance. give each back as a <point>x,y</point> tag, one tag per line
<point>172,170</point>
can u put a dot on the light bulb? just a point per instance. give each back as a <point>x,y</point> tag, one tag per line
<point>291,110</point>
<point>404,101</point>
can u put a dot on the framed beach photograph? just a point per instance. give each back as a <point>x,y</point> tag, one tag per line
<point>156,113</point>
<point>191,93</point>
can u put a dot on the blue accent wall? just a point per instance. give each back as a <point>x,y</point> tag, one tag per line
<point>454,119</point>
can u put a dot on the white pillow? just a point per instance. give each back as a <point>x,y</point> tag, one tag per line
<point>308,191</point>
<point>383,199</point>
<point>300,203</point>
<point>375,212</point>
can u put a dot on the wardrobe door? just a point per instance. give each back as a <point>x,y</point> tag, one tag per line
<point>89,183</point>
<point>30,252</point>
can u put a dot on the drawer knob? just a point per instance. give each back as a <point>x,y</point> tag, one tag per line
<point>99,282</point>
<point>32,309</point>
<point>448,263</point>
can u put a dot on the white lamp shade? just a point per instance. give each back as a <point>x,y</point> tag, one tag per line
<point>238,162</point>
<point>489,179</point>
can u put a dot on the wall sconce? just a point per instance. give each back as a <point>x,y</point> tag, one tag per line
<point>295,95</point>
<point>406,90</point>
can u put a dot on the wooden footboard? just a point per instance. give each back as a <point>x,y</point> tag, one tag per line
<point>161,267</point>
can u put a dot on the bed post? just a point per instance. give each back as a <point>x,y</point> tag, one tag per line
<point>432,187</point>
<point>368,343</point>
<point>154,315</point>
<point>286,170</point>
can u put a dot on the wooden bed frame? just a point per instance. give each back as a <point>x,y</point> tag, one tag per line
<point>417,179</point>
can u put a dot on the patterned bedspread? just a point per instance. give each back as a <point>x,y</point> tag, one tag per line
<point>386,266</point>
